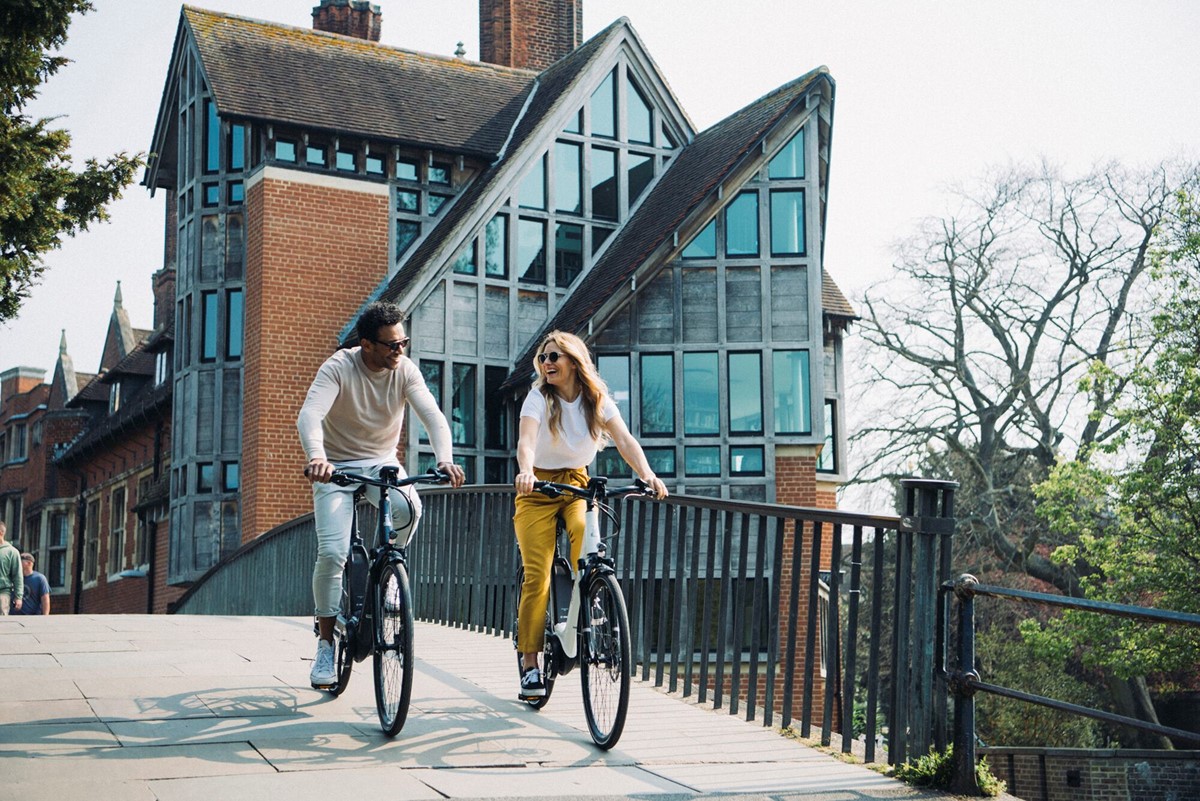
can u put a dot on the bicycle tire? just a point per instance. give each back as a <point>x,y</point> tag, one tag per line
<point>394,661</point>
<point>343,649</point>
<point>548,672</point>
<point>604,660</point>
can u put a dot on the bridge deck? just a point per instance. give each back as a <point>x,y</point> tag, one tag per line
<point>137,707</point>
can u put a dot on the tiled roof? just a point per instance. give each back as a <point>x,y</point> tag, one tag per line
<point>136,362</point>
<point>91,388</point>
<point>142,409</point>
<point>833,301</point>
<point>693,174</point>
<point>312,79</point>
<point>551,85</point>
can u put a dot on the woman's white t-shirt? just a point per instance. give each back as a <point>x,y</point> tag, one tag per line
<point>575,447</point>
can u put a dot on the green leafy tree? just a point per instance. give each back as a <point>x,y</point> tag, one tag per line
<point>42,198</point>
<point>984,346</point>
<point>1136,526</point>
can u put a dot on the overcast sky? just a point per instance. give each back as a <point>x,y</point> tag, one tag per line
<point>928,94</point>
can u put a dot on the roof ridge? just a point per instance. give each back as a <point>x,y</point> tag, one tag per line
<point>339,37</point>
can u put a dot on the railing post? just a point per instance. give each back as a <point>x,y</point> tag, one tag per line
<point>963,779</point>
<point>929,515</point>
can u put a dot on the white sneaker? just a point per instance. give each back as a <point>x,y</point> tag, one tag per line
<point>323,673</point>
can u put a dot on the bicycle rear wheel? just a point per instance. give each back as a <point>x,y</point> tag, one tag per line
<point>548,671</point>
<point>604,661</point>
<point>394,661</point>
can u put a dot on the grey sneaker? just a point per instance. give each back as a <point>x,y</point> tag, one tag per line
<point>323,674</point>
<point>532,684</point>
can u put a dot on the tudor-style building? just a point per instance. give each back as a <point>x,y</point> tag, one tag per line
<point>556,184</point>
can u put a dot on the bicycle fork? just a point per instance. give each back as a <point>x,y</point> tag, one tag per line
<point>567,631</point>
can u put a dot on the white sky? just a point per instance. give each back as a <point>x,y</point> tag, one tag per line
<point>930,92</point>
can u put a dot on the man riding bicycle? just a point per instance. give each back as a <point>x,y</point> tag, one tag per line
<point>352,418</point>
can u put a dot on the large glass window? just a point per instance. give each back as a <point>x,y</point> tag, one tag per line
<point>658,394</point>
<point>827,461</point>
<point>638,116</point>
<point>496,247</point>
<point>790,377</point>
<point>604,183</point>
<point>568,177</point>
<point>208,326</point>
<point>212,138</point>
<point>406,233</point>
<point>746,460</point>
<point>615,372</point>
<point>702,460</point>
<point>285,150</point>
<point>116,531</point>
<point>464,263</point>
<point>704,246</point>
<point>789,162</point>
<point>314,155</point>
<point>700,390</point>
<point>462,413</point>
<point>408,201</point>
<point>432,373</point>
<point>531,251</point>
<point>604,108</point>
<point>235,314</point>
<point>745,393</point>
<point>787,222</point>
<point>345,160</point>
<point>641,173</point>
<point>662,461</point>
<point>568,253</point>
<point>741,225</point>
<point>237,147</point>
<point>407,170</point>
<point>532,194</point>
<point>495,408</point>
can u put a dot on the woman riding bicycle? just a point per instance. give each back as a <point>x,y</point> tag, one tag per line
<point>566,418</point>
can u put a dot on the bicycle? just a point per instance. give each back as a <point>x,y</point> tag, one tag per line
<point>587,625</point>
<point>375,617</point>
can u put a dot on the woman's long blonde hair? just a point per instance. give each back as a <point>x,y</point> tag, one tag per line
<point>592,386</point>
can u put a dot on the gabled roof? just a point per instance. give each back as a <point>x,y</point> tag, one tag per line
<point>296,76</point>
<point>137,362</point>
<point>550,86</point>
<point>145,408</point>
<point>691,177</point>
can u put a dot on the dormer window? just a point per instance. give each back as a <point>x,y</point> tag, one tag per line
<point>114,397</point>
<point>162,366</point>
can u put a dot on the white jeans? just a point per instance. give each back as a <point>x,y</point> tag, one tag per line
<point>333,508</point>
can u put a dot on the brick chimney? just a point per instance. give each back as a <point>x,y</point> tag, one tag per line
<point>164,296</point>
<point>358,18</point>
<point>532,34</point>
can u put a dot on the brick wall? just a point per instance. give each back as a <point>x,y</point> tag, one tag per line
<point>796,485</point>
<point>314,251</point>
<point>1080,774</point>
<point>531,34</point>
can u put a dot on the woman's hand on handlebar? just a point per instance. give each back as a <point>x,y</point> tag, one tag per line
<point>524,482</point>
<point>318,470</point>
<point>655,483</point>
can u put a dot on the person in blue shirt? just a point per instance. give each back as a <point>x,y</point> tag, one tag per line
<point>37,590</point>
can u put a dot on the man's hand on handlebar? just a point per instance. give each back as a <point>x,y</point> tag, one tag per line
<point>318,470</point>
<point>457,476</point>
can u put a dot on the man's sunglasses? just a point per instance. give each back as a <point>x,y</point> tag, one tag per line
<point>552,356</point>
<point>395,345</point>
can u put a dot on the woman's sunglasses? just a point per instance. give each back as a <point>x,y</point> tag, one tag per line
<point>552,356</point>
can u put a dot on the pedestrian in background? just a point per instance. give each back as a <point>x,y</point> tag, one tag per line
<point>37,589</point>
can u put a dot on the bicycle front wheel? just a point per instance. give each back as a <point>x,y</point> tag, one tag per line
<point>393,648</point>
<point>604,660</point>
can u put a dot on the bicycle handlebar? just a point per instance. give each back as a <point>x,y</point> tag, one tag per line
<point>596,490</point>
<point>344,479</point>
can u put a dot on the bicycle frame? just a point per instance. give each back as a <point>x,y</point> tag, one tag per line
<point>593,560</point>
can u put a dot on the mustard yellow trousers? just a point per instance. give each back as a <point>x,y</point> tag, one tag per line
<point>534,523</point>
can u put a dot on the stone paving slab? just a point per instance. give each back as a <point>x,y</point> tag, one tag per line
<point>175,708</point>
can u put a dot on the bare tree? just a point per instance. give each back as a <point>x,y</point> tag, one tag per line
<point>983,349</point>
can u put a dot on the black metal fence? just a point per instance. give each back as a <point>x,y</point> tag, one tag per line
<point>965,682</point>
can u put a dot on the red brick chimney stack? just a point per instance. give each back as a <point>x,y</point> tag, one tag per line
<point>359,18</point>
<point>532,34</point>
